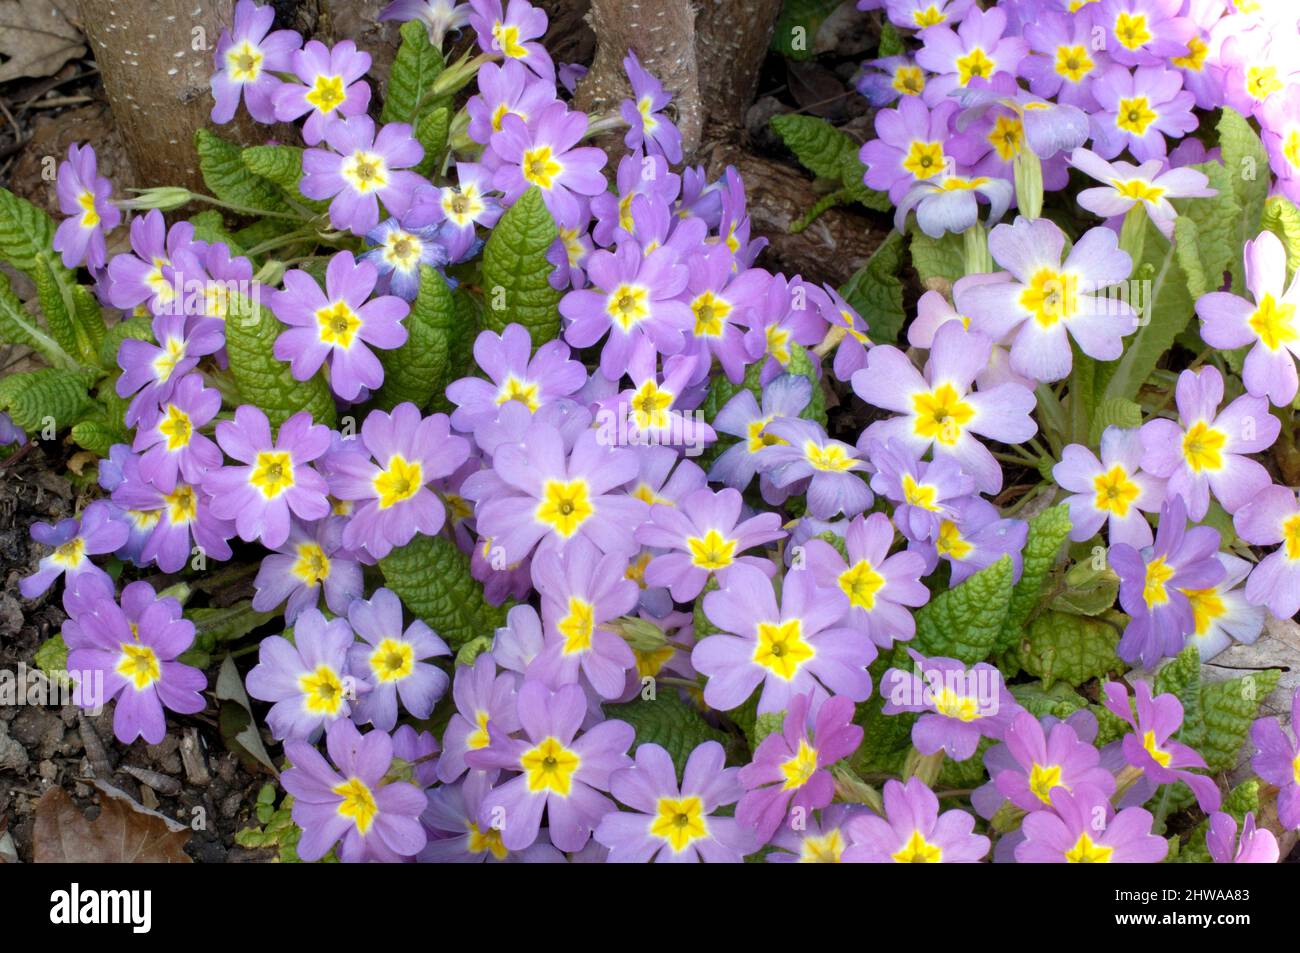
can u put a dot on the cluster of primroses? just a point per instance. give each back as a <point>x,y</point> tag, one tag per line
<point>570,470</point>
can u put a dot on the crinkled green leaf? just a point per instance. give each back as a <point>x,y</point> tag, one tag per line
<point>18,326</point>
<point>1181,676</point>
<point>229,179</point>
<point>891,42</point>
<point>964,622</point>
<point>1048,532</point>
<point>668,722</point>
<point>52,657</point>
<point>417,370</point>
<point>1069,648</point>
<point>416,66</point>
<point>876,291</point>
<point>432,578</point>
<point>1246,162</point>
<point>804,363</point>
<point>1113,412</point>
<point>516,272</point>
<point>263,380</point>
<point>137,327</point>
<point>1227,710</point>
<point>432,133</point>
<point>26,232</point>
<point>1086,591</point>
<point>1060,701</point>
<point>210,226</point>
<point>886,739</point>
<point>88,314</point>
<point>213,625</point>
<point>829,153</point>
<point>279,164</point>
<point>1210,250</point>
<point>54,285</point>
<point>98,435</point>
<point>50,392</point>
<point>1283,220</point>
<point>937,258</point>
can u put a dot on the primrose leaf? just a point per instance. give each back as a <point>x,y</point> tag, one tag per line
<point>432,578</point>
<point>1048,532</point>
<point>876,291</point>
<point>964,622</point>
<point>417,371</point>
<point>417,65</point>
<point>516,272</point>
<point>1069,648</point>
<point>251,331</point>
<point>667,721</point>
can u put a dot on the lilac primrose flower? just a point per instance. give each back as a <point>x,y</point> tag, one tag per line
<point>393,661</point>
<point>311,559</point>
<point>544,152</point>
<point>655,410</point>
<point>73,542</point>
<point>393,499</point>
<point>721,298</point>
<point>361,170</point>
<point>549,493</point>
<point>246,61</point>
<point>439,16</point>
<point>181,519</point>
<point>398,254</point>
<point>785,396</point>
<point>1205,451</point>
<point>913,831</point>
<point>882,81</point>
<point>671,823</point>
<point>1083,828</point>
<point>151,371</point>
<point>485,704</point>
<point>350,802</point>
<point>505,89</point>
<point>703,538</point>
<point>1063,59</point>
<point>1150,746</point>
<point>1050,301</point>
<point>306,679</point>
<point>1046,760</point>
<point>1273,517</point>
<point>1223,613</point>
<point>560,770</point>
<point>635,296</point>
<point>941,410</point>
<point>919,14</point>
<point>1112,490</point>
<point>1153,584</point>
<point>331,87</point>
<point>147,275</point>
<point>514,374</point>
<point>949,204</point>
<point>462,207</point>
<point>797,646</point>
<point>338,324</point>
<point>789,775</point>
<point>10,433</point>
<point>581,591</point>
<point>135,647</point>
<point>924,492</point>
<point>976,537</point>
<point>85,197</point>
<point>978,49</point>
<point>822,840</point>
<point>1150,185</point>
<point>276,477</point>
<point>647,124</point>
<point>1277,761</point>
<point>1270,327</point>
<point>514,34</point>
<point>1138,109</point>
<point>909,148</point>
<point>1144,32</point>
<point>961,705</point>
<point>805,452</point>
<point>170,437</point>
<point>878,585</point>
<point>1258,845</point>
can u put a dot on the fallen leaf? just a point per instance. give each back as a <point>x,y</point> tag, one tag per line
<point>123,833</point>
<point>37,37</point>
<point>8,853</point>
<point>236,722</point>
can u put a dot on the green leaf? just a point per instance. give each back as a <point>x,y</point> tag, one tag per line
<point>432,578</point>
<point>797,26</point>
<point>891,43</point>
<point>1069,648</point>
<point>1181,676</point>
<point>213,625</point>
<point>1048,532</point>
<point>279,164</point>
<point>1241,800</point>
<point>1087,591</point>
<point>1113,412</point>
<point>52,657</point>
<point>251,331</point>
<point>702,624</point>
<point>886,739</point>
<point>50,392</point>
<point>88,314</point>
<point>1211,244</point>
<point>1246,162</point>
<point>516,272</point>
<point>829,153</point>
<point>417,65</point>
<point>230,180</point>
<point>137,327</point>
<point>937,258</point>
<point>432,134</point>
<point>805,364</point>
<point>417,370</point>
<point>1228,708</point>
<point>26,232</point>
<point>1283,220</point>
<point>666,721</point>
<point>876,291</point>
<point>964,622</point>
<point>1060,701</point>
<point>98,436</point>
<point>55,296</point>
<point>210,227</point>
<point>17,326</point>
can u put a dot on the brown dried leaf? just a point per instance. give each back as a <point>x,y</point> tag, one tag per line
<point>37,37</point>
<point>123,833</point>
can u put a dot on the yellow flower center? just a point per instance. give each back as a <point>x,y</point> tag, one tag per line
<point>1007,134</point>
<point>930,16</point>
<point>1274,322</point>
<point>710,314</point>
<point>830,458</point>
<point>650,662</point>
<point>781,648</point>
<point>950,543</point>
<point>778,343</point>
<point>646,107</point>
<point>909,81</point>
<point>366,172</point>
<point>918,850</point>
<point>924,159</point>
<point>526,392</point>
<point>952,704</point>
<point>1203,446</point>
<point>479,738</point>
<point>1161,756</point>
<point>489,840</point>
<point>1291,536</point>
<point>1085,851</point>
<point>712,551</point>
<point>138,665</point>
<point>1115,491</point>
<point>89,214</point>
<point>1207,605</point>
<point>506,40</point>
<point>941,414</point>
<point>400,481</point>
<point>758,437</point>
<point>327,93</point>
<point>540,167</point>
<point>403,250</point>
<point>272,473</point>
<point>244,62</point>
<point>1074,63</point>
<point>71,553</point>
<point>549,766</point>
<point>182,505</point>
<point>975,65</point>
<point>312,565</point>
<point>392,661</point>
<point>337,324</point>
<point>173,352</point>
<point>322,691</point>
<point>565,506</point>
<point>1139,190</point>
<point>801,767</point>
<point>1131,30</point>
<point>680,821</point>
<point>1043,779</point>
<point>628,305</point>
<point>1155,591</point>
<point>1051,296</point>
<point>650,406</point>
<point>1135,115</point>
<point>1262,82</point>
<point>860,583</point>
<point>358,804</point>
<point>827,849</point>
<point>922,495</point>
<point>577,626</point>
<point>1194,60</point>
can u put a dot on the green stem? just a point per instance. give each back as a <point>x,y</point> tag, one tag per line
<point>245,209</point>
<point>1029,183</point>
<point>1133,233</point>
<point>975,243</point>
